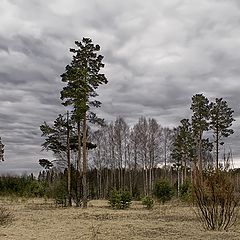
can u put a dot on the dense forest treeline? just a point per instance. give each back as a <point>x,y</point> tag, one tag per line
<point>52,183</point>
<point>135,157</point>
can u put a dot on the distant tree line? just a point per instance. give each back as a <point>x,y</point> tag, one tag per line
<point>120,156</point>
<point>130,151</point>
<point>134,157</point>
<point>21,186</point>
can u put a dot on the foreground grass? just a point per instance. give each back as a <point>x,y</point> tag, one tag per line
<point>42,220</point>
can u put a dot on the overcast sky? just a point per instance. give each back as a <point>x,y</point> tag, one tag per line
<point>157,54</point>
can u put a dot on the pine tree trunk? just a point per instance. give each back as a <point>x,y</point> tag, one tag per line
<point>185,169</point>
<point>146,181</point>
<point>135,169</point>
<point>178,181</point>
<point>200,157</point>
<point>69,163</point>
<point>130,181</point>
<point>150,180</point>
<point>165,159</point>
<point>153,179</point>
<point>78,181</point>
<point>217,147</point>
<point>84,178</point>
<point>182,176</point>
<point>143,180</point>
<point>100,184</point>
<point>119,178</point>
<point>130,171</point>
<point>107,183</point>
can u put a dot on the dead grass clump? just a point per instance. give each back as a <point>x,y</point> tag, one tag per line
<point>6,217</point>
<point>95,231</point>
<point>40,206</point>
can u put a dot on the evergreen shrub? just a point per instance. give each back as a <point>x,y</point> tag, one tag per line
<point>163,190</point>
<point>120,199</point>
<point>148,202</point>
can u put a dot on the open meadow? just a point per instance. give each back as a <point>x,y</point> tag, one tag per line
<point>42,220</point>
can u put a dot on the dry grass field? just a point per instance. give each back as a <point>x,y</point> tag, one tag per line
<point>41,220</point>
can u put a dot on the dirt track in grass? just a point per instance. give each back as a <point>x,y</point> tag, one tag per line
<point>41,220</point>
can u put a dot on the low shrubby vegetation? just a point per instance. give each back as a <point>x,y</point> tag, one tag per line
<point>216,199</point>
<point>148,202</point>
<point>186,193</point>
<point>163,191</point>
<point>30,187</point>
<point>120,199</point>
<point>58,191</point>
<point>22,186</point>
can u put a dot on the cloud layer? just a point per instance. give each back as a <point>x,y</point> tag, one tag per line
<point>157,55</point>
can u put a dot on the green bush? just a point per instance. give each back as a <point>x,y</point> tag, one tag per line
<point>58,191</point>
<point>120,199</point>
<point>148,202</point>
<point>186,192</point>
<point>34,189</point>
<point>163,191</point>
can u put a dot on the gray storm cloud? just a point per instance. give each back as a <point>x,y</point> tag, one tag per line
<point>157,55</point>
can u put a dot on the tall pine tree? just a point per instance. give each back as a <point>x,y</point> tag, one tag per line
<point>184,148</point>
<point>200,124</point>
<point>221,118</point>
<point>83,77</point>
